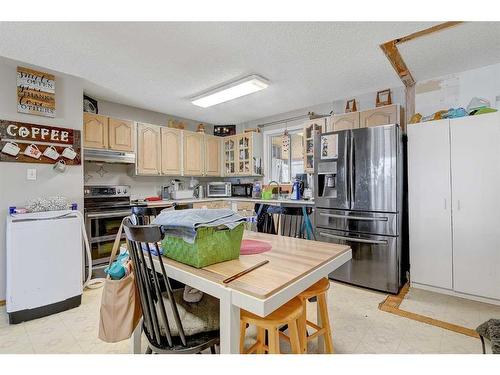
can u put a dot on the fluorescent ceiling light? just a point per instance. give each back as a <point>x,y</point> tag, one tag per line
<point>230,91</point>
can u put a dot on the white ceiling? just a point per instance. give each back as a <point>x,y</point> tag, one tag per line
<point>158,66</point>
<point>466,46</point>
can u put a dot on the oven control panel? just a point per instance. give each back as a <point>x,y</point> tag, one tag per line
<point>101,191</point>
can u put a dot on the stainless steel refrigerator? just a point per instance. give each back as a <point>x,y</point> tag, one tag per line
<point>359,178</point>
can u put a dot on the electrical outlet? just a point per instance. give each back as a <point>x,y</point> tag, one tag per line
<point>31,174</point>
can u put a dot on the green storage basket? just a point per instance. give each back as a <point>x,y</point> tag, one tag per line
<point>211,246</point>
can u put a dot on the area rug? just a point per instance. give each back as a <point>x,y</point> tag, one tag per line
<point>392,305</point>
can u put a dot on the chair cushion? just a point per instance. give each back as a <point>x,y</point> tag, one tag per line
<point>202,316</point>
<point>491,331</point>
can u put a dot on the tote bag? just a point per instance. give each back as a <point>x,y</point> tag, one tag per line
<point>120,304</point>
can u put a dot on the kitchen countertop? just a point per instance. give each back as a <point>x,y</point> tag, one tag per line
<point>232,199</point>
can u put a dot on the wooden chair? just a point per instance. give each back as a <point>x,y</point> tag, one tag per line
<point>318,291</point>
<point>289,314</point>
<point>285,221</point>
<point>171,325</point>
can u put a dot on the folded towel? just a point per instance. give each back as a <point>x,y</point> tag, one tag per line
<point>183,223</point>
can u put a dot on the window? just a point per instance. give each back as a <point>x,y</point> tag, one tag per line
<point>285,164</point>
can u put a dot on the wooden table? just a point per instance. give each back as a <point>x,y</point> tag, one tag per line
<point>294,265</point>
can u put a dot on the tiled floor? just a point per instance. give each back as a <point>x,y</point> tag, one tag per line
<point>358,326</point>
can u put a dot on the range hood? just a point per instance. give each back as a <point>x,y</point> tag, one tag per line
<point>108,156</point>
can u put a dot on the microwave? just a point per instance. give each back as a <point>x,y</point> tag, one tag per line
<point>219,189</point>
<point>241,190</point>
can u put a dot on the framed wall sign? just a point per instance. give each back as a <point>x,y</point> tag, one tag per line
<point>31,143</point>
<point>36,92</point>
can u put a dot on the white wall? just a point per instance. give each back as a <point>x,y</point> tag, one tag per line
<point>140,186</point>
<point>337,105</point>
<point>126,112</point>
<point>15,190</point>
<point>456,90</point>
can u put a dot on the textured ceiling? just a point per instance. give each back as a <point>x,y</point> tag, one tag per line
<point>465,46</point>
<point>158,66</point>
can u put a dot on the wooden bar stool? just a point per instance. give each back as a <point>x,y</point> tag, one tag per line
<point>319,291</point>
<point>289,314</point>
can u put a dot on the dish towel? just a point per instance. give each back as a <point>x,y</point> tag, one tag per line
<point>183,223</point>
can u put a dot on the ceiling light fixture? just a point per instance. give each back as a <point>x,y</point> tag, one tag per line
<point>230,91</point>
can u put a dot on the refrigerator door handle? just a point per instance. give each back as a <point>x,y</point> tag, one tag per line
<point>352,239</point>
<point>384,218</point>
<point>351,169</point>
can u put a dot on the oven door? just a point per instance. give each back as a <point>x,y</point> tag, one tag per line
<point>102,228</point>
<point>374,263</point>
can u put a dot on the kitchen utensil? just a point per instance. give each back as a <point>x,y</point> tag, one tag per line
<point>60,166</point>
<point>32,151</point>
<point>51,153</point>
<point>69,153</point>
<point>11,148</point>
<point>244,272</point>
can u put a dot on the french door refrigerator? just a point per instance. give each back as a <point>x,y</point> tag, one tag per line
<point>359,176</point>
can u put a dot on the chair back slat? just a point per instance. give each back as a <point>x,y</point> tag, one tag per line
<point>140,238</point>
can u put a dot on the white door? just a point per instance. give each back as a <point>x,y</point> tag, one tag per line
<point>429,195</point>
<point>475,156</point>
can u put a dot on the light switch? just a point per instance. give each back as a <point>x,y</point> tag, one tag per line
<point>31,174</point>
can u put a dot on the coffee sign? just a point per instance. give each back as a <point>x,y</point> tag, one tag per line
<point>32,143</point>
<point>36,92</point>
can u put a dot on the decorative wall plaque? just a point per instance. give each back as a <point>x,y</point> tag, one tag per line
<point>30,143</point>
<point>36,92</point>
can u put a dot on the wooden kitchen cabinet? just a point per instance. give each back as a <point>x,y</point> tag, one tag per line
<point>310,128</point>
<point>212,204</point>
<point>95,131</point>
<point>344,121</point>
<point>244,147</point>
<point>171,151</point>
<point>229,148</point>
<point>388,114</point>
<point>193,154</point>
<point>242,154</point>
<point>121,135</point>
<point>148,149</point>
<point>212,155</point>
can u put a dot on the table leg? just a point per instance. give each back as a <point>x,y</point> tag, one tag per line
<point>229,326</point>
<point>321,340</point>
<point>135,339</point>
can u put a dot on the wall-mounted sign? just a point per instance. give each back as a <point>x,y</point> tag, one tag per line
<point>31,143</point>
<point>36,92</point>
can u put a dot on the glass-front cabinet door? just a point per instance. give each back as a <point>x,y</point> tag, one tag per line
<point>230,156</point>
<point>244,154</point>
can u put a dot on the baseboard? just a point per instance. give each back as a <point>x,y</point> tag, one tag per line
<point>16,317</point>
<point>453,293</point>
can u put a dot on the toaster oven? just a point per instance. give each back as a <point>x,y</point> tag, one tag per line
<point>219,189</point>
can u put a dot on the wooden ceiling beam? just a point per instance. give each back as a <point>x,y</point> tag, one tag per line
<point>427,31</point>
<point>397,62</point>
<point>392,53</point>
